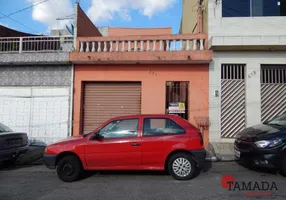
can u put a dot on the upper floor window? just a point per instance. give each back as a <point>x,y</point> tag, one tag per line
<point>253,8</point>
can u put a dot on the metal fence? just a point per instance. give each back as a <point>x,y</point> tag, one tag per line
<point>36,44</point>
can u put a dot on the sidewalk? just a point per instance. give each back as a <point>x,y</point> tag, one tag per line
<point>221,151</point>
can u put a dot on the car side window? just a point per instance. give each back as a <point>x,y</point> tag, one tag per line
<point>120,129</point>
<point>159,126</point>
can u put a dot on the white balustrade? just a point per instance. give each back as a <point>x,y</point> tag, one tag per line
<point>148,45</point>
<point>81,46</point>
<point>117,46</point>
<point>194,44</point>
<point>99,47</point>
<point>135,46</point>
<point>87,47</point>
<point>175,45</point>
<point>129,46</point>
<point>168,46</point>
<point>139,46</point>
<point>39,44</point>
<point>142,45</point>
<point>201,44</point>
<point>105,46</point>
<point>181,45</point>
<point>188,48</point>
<point>93,47</point>
<point>111,47</point>
<point>154,45</point>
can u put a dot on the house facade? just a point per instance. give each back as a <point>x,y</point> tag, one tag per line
<point>140,71</point>
<point>36,84</point>
<point>247,74</point>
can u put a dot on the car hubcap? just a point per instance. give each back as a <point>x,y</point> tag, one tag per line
<point>182,167</point>
<point>68,169</point>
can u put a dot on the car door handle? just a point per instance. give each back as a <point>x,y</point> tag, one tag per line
<point>135,144</point>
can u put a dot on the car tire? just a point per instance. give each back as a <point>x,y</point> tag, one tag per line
<point>69,168</point>
<point>181,166</point>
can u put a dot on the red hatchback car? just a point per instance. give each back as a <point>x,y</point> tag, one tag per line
<point>141,142</point>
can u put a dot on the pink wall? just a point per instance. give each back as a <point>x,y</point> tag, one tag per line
<point>153,79</point>
<point>117,31</point>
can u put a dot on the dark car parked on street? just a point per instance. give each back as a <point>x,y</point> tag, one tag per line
<point>263,145</point>
<point>12,144</point>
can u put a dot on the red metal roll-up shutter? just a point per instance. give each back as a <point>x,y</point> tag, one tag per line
<point>104,100</point>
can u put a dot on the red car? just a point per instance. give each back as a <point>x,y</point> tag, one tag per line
<point>140,142</point>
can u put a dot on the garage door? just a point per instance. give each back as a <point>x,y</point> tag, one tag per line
<point>43,113</point>
<point>103,101</point>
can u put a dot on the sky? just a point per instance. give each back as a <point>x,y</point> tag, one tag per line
<point>43,14</point>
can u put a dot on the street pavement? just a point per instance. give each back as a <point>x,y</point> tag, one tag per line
<point>39,183</point>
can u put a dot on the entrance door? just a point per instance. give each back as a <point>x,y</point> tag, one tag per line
<point>117,146</point>
<point>232,99</point>
<point>105,100</point>
<point>273,91</point>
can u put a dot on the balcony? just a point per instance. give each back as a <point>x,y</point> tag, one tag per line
<point>35,50</point>
<point>36,44</point>
<point>182,48</point>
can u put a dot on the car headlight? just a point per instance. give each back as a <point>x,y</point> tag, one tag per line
<point>267,143</point>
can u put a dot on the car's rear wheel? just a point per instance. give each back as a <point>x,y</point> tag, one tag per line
<point>69,168</point>
<point>182,167</point>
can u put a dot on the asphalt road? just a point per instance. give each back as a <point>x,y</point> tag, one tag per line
<point>39,183</point>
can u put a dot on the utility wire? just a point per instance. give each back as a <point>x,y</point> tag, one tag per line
<point>23,9</point>
<point>18,22</point>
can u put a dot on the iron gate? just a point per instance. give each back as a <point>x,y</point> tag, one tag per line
<point>273,91</point>
<point>232,99</point>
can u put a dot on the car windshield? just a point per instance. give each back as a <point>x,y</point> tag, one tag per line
<point>4,128</point>
<point>278,120</point>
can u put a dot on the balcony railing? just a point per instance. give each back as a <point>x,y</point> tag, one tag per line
<point>181,42</point>
<point>36,44</point>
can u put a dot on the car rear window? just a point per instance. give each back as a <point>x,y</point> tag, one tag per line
<point>4,128</point>
<point>161,126</point>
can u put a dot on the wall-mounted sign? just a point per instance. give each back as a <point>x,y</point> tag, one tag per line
<point>177,107</point>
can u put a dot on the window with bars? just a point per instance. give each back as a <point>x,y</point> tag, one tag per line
<point>273,74</point>
<point>177,91</point>
<point>233,71</point>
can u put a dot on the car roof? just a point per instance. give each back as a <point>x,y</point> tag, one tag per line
<point>146,115</point>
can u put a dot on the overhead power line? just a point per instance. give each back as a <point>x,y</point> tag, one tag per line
<point>23,9</point>
<point>18,22</point>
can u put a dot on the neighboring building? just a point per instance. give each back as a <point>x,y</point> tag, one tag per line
<point>139,71</point>
<point>36,84</point>
<point>247,74</point>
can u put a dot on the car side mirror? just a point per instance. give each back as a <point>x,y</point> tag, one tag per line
<point>96,136</point>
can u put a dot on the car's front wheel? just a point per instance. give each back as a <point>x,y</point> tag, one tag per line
<point>69,168</point>
<point>182,167</point>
